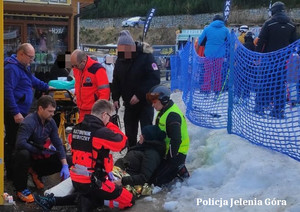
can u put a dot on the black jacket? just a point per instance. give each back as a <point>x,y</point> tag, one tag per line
<point>141,161</point>
<point>249,44</point>
<point>276,33</point>
<point>135,76</point>
<point>91,141</point>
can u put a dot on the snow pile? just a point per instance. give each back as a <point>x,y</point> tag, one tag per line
<point>228,173</point>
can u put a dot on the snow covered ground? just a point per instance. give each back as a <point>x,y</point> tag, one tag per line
<point>228,173</point>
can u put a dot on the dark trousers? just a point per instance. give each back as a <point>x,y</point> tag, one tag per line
<point>168,170</point>
<point>88,196</point>
<point>11,129</point>
<point>134,114</point>
<point>43,167</point>
<point>272,88</point>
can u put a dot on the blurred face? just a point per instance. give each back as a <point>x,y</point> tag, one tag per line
<point>126,51</point>
<point>47,113</point>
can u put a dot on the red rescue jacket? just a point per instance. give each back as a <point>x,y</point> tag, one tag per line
<point>91,142</point>
<point>91,84</point>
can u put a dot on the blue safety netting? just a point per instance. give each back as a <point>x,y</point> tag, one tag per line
<point>204,82</point>
<point>254,95</point>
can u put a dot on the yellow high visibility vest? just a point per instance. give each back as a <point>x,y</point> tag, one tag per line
<point>185,141</point>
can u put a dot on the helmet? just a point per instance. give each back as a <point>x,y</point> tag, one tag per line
<point>218,17</point>
<point>159,92</point>
<point>243,28</point>
<point>277,7</point>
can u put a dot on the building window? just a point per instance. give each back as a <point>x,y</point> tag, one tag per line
<point>12,39</point>
<point>48,41</point>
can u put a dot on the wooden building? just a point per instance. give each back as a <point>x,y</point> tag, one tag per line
<point>49,25</point>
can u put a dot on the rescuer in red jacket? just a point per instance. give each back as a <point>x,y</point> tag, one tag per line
<point>91,142</point>
<point>91,82</point>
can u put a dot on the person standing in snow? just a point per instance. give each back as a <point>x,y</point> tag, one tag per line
<point>276,33</point>
<point>243,29</point>
<point>135,73</point>
<point>91,82</point>
<point>215,35</point>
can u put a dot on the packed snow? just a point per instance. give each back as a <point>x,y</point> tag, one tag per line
<point>228,173</point>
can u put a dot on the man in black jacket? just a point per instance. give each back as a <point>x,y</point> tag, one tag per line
<point>135,73</point>
<point>276,33</point>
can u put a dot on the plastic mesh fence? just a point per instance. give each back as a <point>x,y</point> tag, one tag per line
<point>258,99</point>
<point>204,82</point>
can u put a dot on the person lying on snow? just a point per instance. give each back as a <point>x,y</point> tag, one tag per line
<point>141,161</point>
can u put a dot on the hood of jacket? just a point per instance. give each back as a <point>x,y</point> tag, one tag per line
<point>281,17</point>
<point>217,24</point>
<point>143,47</point>
<point>159,146</point>
<point>13,60</point>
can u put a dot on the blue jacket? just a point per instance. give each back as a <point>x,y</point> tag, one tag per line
<point>32,129</point>
<point>216,34</point>
<point>18,84</point>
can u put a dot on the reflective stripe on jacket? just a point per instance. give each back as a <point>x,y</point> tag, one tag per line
<point>91,84</point>
<point>91,143</point>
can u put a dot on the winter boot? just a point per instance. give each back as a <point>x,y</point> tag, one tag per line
<point>35,178</point>
<point>183,173</point>
<point>25,196</point>
<point>46,202</point>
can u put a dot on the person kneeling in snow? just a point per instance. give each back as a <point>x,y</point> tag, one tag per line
<point>39,150</point>
<point>172,121</point>
<point>141,160</point>
<point>91,141</point>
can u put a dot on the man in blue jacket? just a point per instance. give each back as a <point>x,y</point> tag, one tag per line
<point>38,147</point>
<point>18,94</point>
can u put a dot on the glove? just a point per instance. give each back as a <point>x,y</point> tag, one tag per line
<point>51,147</point>
<point>64,173</point>
<point>50,151</point>
<point>111,176</point>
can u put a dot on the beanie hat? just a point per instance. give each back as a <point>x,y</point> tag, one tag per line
<point>153,132</point>
<point>125,38</point>
<point>218,17</point>
<point>277,7</point>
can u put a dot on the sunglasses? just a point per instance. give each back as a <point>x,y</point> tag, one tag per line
<point>152,97</point>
